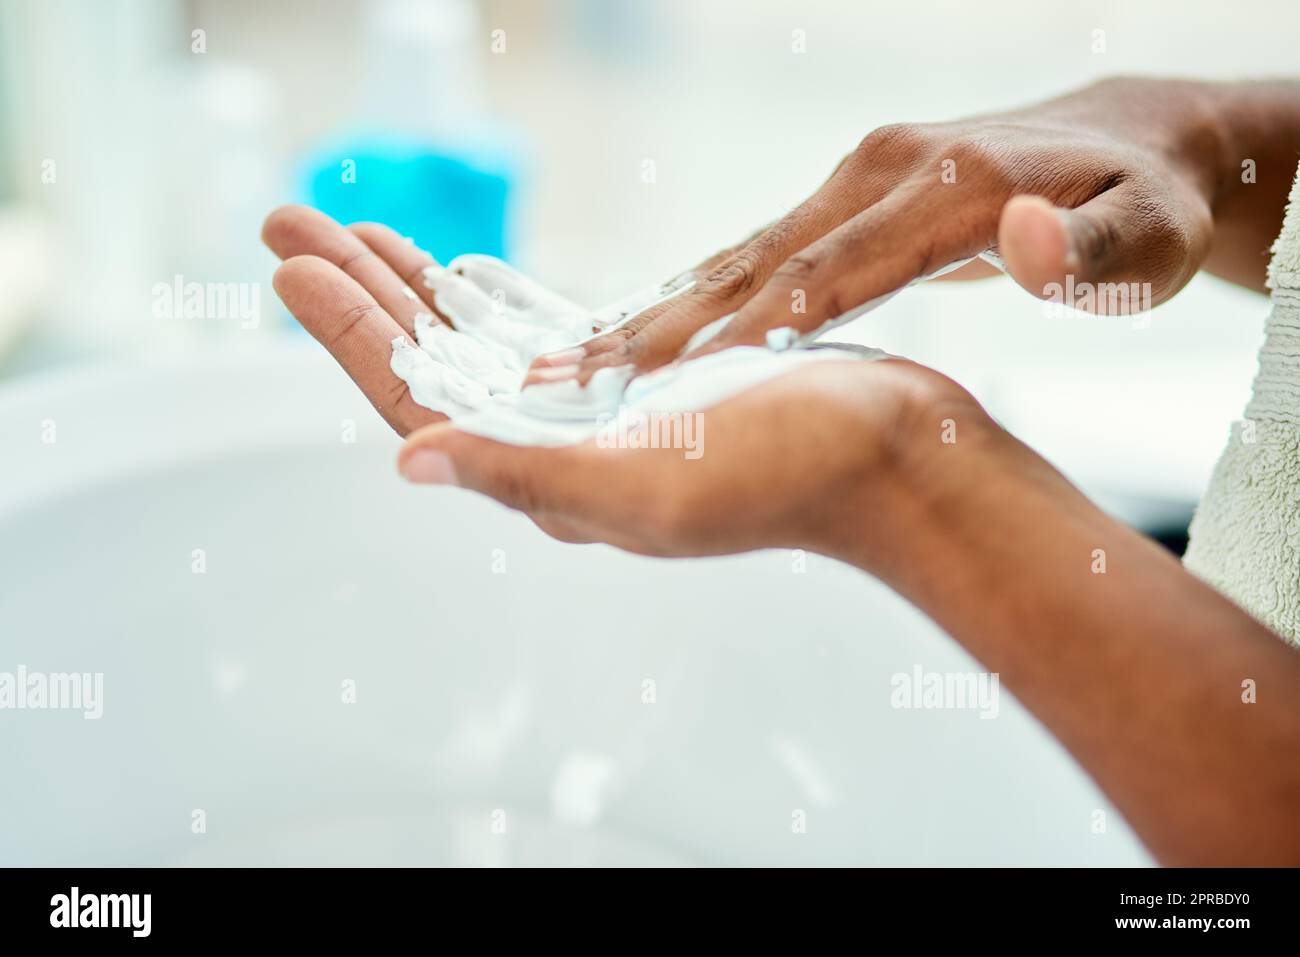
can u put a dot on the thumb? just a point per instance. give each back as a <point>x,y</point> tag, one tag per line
<point>521,477</point>
<point>576,480</point>
<point>1115,237</point>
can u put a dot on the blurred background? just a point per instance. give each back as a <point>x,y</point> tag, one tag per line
<point>199,505</point>
<point>600,145</point>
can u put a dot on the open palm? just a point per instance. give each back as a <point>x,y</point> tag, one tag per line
<point>787,463</point>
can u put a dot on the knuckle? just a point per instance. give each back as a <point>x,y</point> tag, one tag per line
<point>514,490</point>
<point>776,237</point>
<point>802,267</point>
<point>395,394</point>
<point>984,156</point>
<point>925,255</point>
<point>640,323</point>
<point>734,278</point>
<point>348,262</point>
<point>1000,163</point>
<point>895,140</point>
<point>351,318</point>
<point>610,341</point>
<point>833,303</point>
<point>971,148</point>
<point>631,345</point>
<point>655,348</point>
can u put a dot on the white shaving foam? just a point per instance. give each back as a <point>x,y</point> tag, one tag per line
<point>503,320</point>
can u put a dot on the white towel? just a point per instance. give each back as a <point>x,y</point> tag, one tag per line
<point>1245,536</point>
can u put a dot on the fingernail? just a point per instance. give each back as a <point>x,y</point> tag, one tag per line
<point>553,373</point>
<point>564,357</point>
<point>429,467</point>
<point>1071,261</point>
<point>1071,258</point>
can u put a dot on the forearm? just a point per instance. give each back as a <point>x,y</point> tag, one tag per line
<point>1137,667</point>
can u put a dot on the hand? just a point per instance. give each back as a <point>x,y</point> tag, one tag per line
<point>849,459</point>
<point>479,321</point>
<point>1110,184</point>
<point>824,458</point>
<point>355,290</point>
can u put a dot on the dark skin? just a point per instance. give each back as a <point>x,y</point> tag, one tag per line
<point>1139,670</point>
<point>1125,181</point>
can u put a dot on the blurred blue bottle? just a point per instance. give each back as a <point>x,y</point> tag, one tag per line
<point>422,158</point>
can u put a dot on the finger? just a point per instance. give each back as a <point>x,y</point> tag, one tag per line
<point>617,315</point>
<point>913,232</point>
<point>609,349</point>
<point>862,179</point>
<point>407,260</point>
<point>582,491</point>
<point>301,231</point>
<point>646,312</point>
<point>1131,233</point>
<point>487,297</point>
<point>621,317</point>
<point>657,336</point>
<point>348,322</point>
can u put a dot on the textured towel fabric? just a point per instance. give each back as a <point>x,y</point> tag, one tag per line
<point>1245,536</point>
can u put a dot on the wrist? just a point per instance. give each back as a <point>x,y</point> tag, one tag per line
<point>1234,136</point>
<point>940,453</point>
<point>951,462</point>
<point>965,512</point>
<point>1258,136</point>
<point>1243,125</point>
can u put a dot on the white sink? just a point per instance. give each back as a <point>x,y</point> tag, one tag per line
<point>500,718</point>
